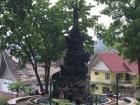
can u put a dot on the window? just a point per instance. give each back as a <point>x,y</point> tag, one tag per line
<point>5,82</point>
<point>96,73</point>
<point>107,76</point>
<point>97,88</point>
<point>120,75</point>
<point>92,85</point>
<point>106,90</point>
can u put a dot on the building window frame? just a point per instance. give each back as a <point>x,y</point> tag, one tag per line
<point>105,90</point>
<point>107,76</point>
<point>96,73</point>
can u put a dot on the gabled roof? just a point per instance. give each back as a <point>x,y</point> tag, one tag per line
<point>117,63</point>
<point>25,74</point>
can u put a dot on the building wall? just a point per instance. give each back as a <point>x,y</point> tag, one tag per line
<point>99,46</point>
<point>99,88</point>
<point>100,66</point>
<point>8,75</point>
<point>100,78</point>
<point>135,81</point>
<point>113,77</point>
<point>100,81</point>
<point>4,85</point>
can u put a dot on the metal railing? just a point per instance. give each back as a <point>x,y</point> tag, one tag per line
<point>101,80</point>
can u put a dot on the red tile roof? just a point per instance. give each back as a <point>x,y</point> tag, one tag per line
<point>117,63</point>
<point>133,67</point>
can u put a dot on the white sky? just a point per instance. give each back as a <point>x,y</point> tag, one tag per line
<point>96,11</point>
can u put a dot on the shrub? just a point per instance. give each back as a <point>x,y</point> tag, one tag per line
<point>3,100</point>
<point>61,101</point>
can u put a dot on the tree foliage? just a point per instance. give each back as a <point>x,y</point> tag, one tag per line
<point>3,100</point>
<point>13,86</point>
<point>34,30</point>
<point>124,32</point>
<point>16,87</point>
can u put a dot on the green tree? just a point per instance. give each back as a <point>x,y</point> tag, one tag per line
<point>16,32</point>
<point>47,26</point>
<point>61,25</point>
<point>37,32</point>
<point>28,90</point>
<point>16,87</point>
<point>124,33</point>
<point>53,23</point>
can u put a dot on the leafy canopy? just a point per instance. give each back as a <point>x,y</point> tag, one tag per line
<point>16,86</point>
<point>123,33</point>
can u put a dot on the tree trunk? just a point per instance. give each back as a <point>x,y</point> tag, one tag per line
<point>38,79</point>
<point>47,74</point>
<point>139,70</point>
<point>17,90</point>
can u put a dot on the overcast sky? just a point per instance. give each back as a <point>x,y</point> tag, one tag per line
<point>96,11</point>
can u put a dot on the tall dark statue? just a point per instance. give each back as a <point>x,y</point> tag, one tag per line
<point>73,78</point>
<point>75,16</point>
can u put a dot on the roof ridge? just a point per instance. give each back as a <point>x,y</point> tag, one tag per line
<point>12,68</point>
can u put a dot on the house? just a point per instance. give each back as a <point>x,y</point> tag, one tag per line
<point>103,70</point>
<point>10,72</point>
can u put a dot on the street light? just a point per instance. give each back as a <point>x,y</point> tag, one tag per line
<point>117,88</point>
<point>50,90</point>
<point>96,98</point>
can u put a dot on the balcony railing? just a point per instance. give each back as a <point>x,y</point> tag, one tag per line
<point>101,80</point>
<point>125,82</point>
<point>105,81</point>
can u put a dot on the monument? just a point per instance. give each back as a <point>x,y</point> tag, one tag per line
<point>73,78</point>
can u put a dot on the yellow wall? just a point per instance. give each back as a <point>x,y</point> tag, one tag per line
<point>100,81</point>
<point>135,81</point>
<point>100,77</point>
<point>99,88</point>
<point>113,77</point>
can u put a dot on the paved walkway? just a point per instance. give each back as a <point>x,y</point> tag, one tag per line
<point>22,103</point>
<point>122,102</point>
<point>133,101</point>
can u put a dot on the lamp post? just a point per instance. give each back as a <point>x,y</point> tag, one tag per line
<point>117,88</point>
<point>96,98</point>
<point>50,90</point>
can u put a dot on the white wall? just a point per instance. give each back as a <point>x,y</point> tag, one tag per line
<point>100,66</point>
<point>4,85</point>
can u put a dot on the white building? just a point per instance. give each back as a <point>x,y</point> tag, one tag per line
<point>99,46</point>
<point>11,72</point>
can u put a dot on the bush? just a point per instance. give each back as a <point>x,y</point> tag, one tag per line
<point>61,101</point>
<point>3,100</point>
<point>138,99</point>
<point>138,103</point>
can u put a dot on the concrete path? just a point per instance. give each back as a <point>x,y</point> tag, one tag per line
<point>122,102</point>
<point>22,103</point>
<point>133,101</point>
